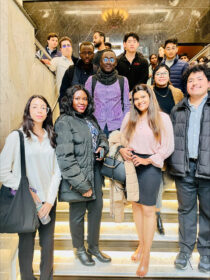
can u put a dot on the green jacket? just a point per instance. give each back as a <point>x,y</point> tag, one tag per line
<point>74,151</point>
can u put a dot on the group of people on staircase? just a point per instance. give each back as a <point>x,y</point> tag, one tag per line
<point>96,100</point>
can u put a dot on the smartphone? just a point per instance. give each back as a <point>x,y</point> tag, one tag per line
<point>100,154</point>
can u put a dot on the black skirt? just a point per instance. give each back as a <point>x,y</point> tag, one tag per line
<point>149,179</point>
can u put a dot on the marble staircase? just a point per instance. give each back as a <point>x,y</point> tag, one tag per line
<point>119,240</point>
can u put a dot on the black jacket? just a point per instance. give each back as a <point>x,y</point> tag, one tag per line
<point>76,74</point>
<point>179,161</point>
<point>74,151</point>
<point>137,72</point>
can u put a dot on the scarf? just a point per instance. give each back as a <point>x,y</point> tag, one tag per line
<point>106,78</point>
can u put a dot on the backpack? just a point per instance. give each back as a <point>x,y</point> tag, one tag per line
<point>121,82</point>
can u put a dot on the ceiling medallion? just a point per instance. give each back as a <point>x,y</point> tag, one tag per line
<point>115,17</point>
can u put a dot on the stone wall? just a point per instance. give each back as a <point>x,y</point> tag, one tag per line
<point>21,75</point>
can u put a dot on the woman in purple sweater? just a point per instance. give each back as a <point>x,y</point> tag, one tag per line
<point>150,141</point>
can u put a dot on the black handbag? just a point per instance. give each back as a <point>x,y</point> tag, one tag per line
<point>113,168</point>
<point>18,211</point>
<point>69,194</point>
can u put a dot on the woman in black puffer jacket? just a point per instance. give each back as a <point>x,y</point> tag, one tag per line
<point>81,145</point>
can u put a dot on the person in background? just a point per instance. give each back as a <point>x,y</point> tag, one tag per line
<point>79,73</point>
<point>51,48</point>
<point>161,53</point>
<point>110,93</point>
<point>44,178</point>
<point>153,63</point>
<point>190,165</point>
<point>167,96</point>
<point>202,60</point>
<point>131,63</point>
<point>81,146</point>
<point>60,64</point>
<point>99,43</point>
<point>176,65</point>
<point>149,134</point>
<point>108,45</point>
<point>184,57</point>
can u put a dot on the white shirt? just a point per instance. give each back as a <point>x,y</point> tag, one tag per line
<point>41,165</point>
<point>59,65</point>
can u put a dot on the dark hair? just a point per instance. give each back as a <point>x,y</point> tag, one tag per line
<point>52,35</point>
<point>65,38</point>
<point>67,101</point>
<point>205,59</point>
<point>108,44</point>
<point>196,68</point>
<point>101,34</point>
<point>172,41</point>
<point>183,54</point>
<point>158,67</point>
<point>28,124</point>
<point>152,55</point>
<point>130,34</point>
<point>153,115</point>
<point>86,43</point>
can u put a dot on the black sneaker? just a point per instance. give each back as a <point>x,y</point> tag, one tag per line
<point>204,264</point>
<point>182,260</point>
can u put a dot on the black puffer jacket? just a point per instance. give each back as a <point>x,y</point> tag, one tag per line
<point>74,150</point>
<point>179,161</point>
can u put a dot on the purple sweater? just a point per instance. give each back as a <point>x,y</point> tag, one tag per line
<point>108,106</point>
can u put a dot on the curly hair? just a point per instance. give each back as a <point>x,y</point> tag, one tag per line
<point>67,102</point>
<point>28,123</point>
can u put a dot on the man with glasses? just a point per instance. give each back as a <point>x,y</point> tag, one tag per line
<point>81,71</point>
<point>60,64</point>
<point>176,65</point>
<point>131,63</point>
<point>110,92</point>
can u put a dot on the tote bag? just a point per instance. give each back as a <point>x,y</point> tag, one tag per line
<point>18,212</point>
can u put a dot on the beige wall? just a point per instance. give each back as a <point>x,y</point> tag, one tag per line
<point>21,75</point>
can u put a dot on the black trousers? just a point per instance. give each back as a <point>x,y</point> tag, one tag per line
<point>189,189</point>
<point>46,242</point>
<point>94,208</point>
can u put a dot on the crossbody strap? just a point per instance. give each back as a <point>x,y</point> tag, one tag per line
<point>22,154</point>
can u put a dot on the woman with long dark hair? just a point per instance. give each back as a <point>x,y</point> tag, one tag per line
<point>149,136</point>
<point>81,145</point>
<point>44,177</point>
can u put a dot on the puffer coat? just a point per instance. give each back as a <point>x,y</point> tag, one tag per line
<point>75,152</point>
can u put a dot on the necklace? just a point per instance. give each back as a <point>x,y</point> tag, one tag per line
<point>165,95</point>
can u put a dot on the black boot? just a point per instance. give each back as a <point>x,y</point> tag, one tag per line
<point>160,227</point>
<point>101,257</point>
<point>84,257</point>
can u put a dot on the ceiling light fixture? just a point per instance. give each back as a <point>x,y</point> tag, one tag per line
<point>114,16</point>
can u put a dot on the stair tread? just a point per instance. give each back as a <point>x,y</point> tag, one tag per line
<point>119,231</point>
<point>161,264</point>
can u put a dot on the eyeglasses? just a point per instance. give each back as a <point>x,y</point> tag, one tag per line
<point>111,60</point>
<point>161,74</point>
<point>86,53</point>
<point>66,46</point>
<point>42,108</point>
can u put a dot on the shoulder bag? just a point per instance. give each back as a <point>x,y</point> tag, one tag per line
<point>17,209</point>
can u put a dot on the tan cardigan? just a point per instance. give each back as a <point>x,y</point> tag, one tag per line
<point>117,198</point>
<point>176,93</point>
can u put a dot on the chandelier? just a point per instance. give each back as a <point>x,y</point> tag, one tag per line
<point>114,17</point>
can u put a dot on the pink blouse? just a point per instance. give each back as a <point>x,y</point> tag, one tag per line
<point>144,142</point>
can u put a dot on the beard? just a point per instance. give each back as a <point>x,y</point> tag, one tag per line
<point>97,45</point>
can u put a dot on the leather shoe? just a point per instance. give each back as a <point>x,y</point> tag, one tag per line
<point>101,257</point>
<point>84,257</point>
<point>204,264</point>
<point>182,260</point>
<point>160,227</point>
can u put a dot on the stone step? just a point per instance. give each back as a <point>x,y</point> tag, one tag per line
<point>168,210</point>
<point>120,237</point>
<point>161,266</point>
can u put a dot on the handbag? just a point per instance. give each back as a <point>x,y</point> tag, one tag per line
<point>18,211</point>
<point>69,194</point>
<point>113,168</point>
